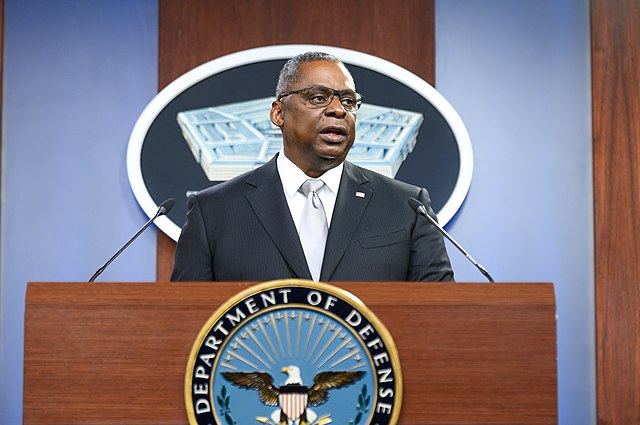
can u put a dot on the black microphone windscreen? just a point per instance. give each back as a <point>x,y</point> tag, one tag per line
<point>166,206</point>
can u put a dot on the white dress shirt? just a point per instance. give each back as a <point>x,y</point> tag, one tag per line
<point>292,178</point>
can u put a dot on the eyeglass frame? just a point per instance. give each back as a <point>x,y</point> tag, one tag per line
<point>358,96</point>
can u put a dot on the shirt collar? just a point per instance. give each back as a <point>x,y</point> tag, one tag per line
<point>292,177</point>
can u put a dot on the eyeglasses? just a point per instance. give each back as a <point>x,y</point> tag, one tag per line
<point>320,96</point>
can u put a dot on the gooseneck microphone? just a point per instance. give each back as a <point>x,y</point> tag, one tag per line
<point>163,209</point>
<point>419,208</point>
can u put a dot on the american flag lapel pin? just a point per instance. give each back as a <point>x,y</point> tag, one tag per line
<point>360,194</point>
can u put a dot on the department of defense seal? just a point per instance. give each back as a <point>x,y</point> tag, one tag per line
<point>293,352</point>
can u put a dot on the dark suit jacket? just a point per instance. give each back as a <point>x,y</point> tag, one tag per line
<point>242,230</point>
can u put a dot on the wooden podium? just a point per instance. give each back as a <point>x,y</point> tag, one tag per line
<point>116,353</point>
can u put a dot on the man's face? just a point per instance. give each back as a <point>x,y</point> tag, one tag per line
<point>316,139</point>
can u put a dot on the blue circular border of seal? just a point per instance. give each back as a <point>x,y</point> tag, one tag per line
<point>338,294</point>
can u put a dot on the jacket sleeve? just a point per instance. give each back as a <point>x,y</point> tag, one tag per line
<point>194,257</point>
<point>429,260</point>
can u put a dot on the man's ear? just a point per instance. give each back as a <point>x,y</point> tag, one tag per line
<point>277,114</point>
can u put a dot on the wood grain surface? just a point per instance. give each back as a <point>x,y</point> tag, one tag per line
<point>615,36</point>
<point>116,353</point>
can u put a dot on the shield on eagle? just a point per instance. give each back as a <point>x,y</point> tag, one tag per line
<point>293,400</point>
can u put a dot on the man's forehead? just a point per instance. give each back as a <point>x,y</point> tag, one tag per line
<point>325,73</point>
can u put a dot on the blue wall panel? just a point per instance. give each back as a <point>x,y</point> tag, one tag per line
<point>76,76</point>
<point>518,73</point>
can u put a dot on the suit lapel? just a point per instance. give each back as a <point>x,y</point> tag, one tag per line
<point>270,206</point>
<point>351,203</point>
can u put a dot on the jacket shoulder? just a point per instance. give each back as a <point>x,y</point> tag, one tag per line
<point>380,181</point>
<point>239,184</point>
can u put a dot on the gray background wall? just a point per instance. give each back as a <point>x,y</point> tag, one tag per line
<point>77,74</point>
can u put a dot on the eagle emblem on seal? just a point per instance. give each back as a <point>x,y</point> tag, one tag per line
<point>293,398</point>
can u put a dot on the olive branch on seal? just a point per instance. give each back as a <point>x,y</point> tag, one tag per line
<point>224,401</point>
<point>362,409</point>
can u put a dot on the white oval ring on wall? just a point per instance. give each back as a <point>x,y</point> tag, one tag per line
<point>260,54</point>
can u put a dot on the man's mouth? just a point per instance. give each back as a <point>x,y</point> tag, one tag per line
<point>333,134</point>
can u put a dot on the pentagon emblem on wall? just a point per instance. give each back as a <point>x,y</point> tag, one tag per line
<point>232,139</point>
<point>293,352</point>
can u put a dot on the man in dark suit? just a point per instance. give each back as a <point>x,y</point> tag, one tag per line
<point>255,226</point>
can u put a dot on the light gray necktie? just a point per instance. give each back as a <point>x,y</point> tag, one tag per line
<point>313,226</point>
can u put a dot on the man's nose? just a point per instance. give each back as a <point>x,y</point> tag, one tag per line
<point>335,107</point>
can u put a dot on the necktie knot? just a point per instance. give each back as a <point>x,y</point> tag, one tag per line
<point>311,187</point>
